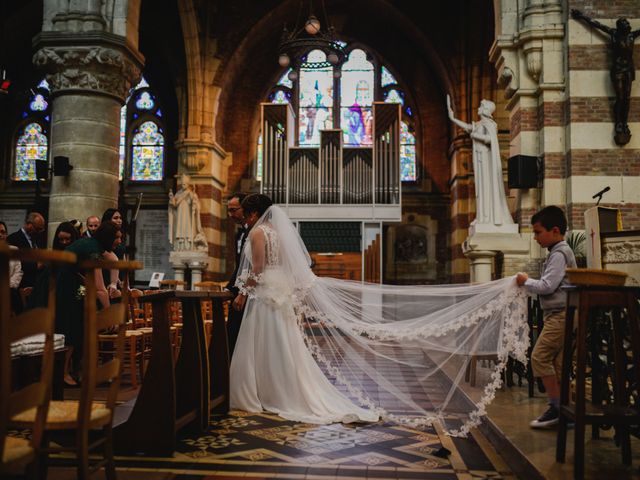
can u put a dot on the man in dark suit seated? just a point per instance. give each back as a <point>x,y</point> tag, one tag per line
<point>235,213</point>
<point>92,224</point>
<point>28,237</point>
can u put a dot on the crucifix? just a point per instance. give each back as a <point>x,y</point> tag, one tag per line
<point>623,72</point>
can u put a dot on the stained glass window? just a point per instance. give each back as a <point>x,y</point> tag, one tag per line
<point>30,147</point>
<point>145,101</point>
<point>357,92</point>
<point>141,152</point>
<point>407,154</point>
<point>394,96</point>
<point>259,159</point>
<point>315,100</point>
<point>284,79</point>
<point>148,153</point>
<point>142,84</point>
<point>38,104</point>
<point>279,97</point>
<point>31,142</point>
<point>386,77</point>
<point>123,140</point>
<point>360,83</point>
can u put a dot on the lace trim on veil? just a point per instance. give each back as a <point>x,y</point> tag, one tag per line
<point>514,328</point>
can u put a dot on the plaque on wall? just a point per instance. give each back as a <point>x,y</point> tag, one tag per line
<point>152,243</point>
<point>14,218</point>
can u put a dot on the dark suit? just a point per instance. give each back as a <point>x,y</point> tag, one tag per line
<point>235,316</point>
<point>29,269</point>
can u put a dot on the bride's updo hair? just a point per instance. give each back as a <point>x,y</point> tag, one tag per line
<point>256,202</point>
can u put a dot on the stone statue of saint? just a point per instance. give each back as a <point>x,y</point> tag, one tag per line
<point>623,72</point>
<point>491,201</point>
<point>185,229</point>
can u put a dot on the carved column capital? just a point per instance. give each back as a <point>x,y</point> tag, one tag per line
<point>104,67</point>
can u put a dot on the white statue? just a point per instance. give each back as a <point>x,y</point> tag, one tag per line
<point>491,202</point>
<point>185,229</point>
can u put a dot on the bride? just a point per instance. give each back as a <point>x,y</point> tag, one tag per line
<point>322,350</point>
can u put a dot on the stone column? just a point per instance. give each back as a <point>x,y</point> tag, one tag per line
<point>481,263</point>
<point>196,273</point>
<point>178,269</point>
<point>90,75</point>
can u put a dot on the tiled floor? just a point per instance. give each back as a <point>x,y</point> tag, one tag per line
<point>266,446</point>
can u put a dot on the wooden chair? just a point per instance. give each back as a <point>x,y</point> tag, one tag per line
<point>137,335</point>
<point>208,286</point>
<point>140,323</point>
<point>18,454</point>
<point>85,415</point>
<point>173,284</point>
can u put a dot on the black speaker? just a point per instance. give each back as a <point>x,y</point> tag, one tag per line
<point>42,169</point>
<point>61,167</point>
<point>523,171</point>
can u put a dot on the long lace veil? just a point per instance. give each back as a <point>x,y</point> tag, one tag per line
<point>403,351</point>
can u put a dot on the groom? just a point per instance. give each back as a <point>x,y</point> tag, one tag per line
<point>234,211</point>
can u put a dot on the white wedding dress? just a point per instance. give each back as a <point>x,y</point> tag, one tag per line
<point>399,353</point>
<point>272,369</point>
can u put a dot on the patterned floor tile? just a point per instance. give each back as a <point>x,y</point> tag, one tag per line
<point>266,446</point>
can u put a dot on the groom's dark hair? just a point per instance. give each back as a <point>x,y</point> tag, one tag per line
<point>256,202</point>
<point>239,195</point>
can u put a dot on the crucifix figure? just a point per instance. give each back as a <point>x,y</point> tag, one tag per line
<point>622,71</point>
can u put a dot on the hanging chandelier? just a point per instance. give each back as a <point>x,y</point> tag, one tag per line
<point>295,44</point>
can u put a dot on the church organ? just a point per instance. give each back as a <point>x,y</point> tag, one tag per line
<point>314,182</point>
<point>330,184</point>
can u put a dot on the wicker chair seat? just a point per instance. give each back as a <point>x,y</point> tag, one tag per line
<point>17,452</point>
<point>63,415</point>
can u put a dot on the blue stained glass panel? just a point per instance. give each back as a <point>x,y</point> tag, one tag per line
<point>408,163</point>
<point>38,103</point>
<point>280,97</point>
<point>284,79</point>
<point>123,139</point>
<point>405,135</point>
<point>30,147</point>
<point>142,84</point>
<point>357,95</point>
<point>357,125</point>
<point>312,120</point>
<point>407,154</point>
<point>316,101</point>
<point>145,101</point>
<point>44,84</point>
<point>387,77</point>
<point>394,96</point>
<point>148,153</point>
<point>259,159</point>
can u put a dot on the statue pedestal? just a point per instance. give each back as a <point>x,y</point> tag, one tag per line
<point>489,228</point>
<point>196,262</point>
<point>481,248</point>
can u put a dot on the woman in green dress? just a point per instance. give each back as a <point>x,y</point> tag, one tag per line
<point>70,290</point>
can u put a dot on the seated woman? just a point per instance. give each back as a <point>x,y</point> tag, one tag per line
<point>70,289</point>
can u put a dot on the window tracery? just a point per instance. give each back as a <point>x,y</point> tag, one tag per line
<point>142,140</point>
